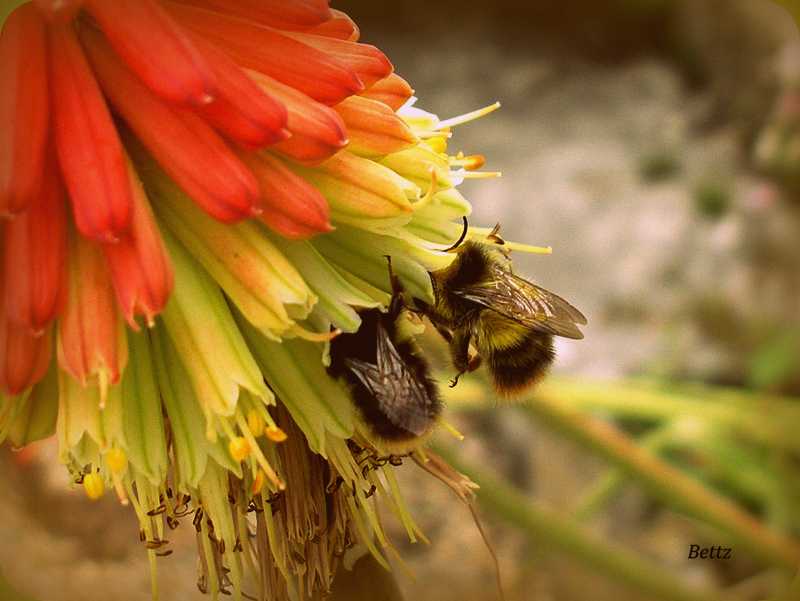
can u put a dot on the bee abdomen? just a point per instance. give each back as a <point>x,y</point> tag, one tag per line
<point>518,366</point>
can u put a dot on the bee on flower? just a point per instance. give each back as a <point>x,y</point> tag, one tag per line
<point>196,197</point>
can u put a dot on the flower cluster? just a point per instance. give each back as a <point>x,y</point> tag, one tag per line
<point>230,174</point>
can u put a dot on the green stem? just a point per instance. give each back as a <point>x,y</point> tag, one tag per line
<point>769,419</point>
<point>666,483</point>
<point>551,531</point>
<point>608,485</point>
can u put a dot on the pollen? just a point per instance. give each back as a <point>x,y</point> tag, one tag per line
<point>94,486</point>
<point>275,434</point>
<point>117,461</point>
<point>239,448</point>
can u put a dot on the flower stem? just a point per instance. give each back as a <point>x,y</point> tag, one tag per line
<point>549,529</point>
<point>665,482</point>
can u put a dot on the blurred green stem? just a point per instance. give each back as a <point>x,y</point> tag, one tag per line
<point>614,479</point>
<point>769,419</point>
<point>550,531</point>
<point>664,482</point>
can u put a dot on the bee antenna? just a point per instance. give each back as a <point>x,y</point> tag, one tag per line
<point>397,288</point>
<point>460,238</point>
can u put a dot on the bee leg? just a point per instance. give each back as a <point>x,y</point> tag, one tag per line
<point>459,351</point>
<point>396,304</point>
<point>474,363</point>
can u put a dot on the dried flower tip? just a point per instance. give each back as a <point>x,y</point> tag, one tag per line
<point>239,448</point>
<point>94,486</point>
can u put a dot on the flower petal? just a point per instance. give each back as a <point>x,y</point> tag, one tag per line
<point>91,340</point>
<point>297,14</point>
<point>89,149</point>
<point>23,108</point>
<point>373,128</point>
<point>271,52</point>
<point>318,132</point>
<point>185,145</point>
<point>339,26</point>
<point>35,256</point>
<point>242,111</point>
<point>393,91</point>
<point>138,263</point>
<point>61,11</point>
<point>367,62</point>
<point>23,357</point>
<point>292,206</point>
<point>156,49</point>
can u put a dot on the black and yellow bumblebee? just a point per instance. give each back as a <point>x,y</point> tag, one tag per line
<point>509,321</point>
<point>388,377</point>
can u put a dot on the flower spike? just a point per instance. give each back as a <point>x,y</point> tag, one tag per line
<point>156,49</point>
<point>89,149</point>
<point>185,145</point>
<point>294,63</point>
<point>35,256</point>
<point>23,108</point>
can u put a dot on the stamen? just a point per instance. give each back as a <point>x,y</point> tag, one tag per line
<point>239,448</point>
<point>483,232</point>
<point>275,434</point>
<point>451,429</point>
<point>480,174</point>
<point>468,162</point>
<point>467,117</point>
<point>305,334</point>
<point>256,423</point>
<point>94,486</point>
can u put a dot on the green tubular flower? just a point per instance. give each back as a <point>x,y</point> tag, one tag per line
<point>245,233</point>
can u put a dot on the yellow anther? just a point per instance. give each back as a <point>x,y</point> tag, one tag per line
<point>255,422</point>
<point>275,434</point>
<point>239,448</point>
<point>258,483</point>
<point>117,461</point>
<point>94,486</point>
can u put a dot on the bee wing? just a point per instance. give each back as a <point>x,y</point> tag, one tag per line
<point>526,303</point>
<point>401,397</point>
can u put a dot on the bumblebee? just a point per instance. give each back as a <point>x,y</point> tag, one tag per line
<point>509,321</point>
<point>388,378</point>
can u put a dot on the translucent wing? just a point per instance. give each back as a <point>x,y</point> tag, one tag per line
<point>525,303</point>
<point>400,393</point>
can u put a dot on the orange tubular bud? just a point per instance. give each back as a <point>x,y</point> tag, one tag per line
<point>188,149</point>
<point>91,335</point>
<point>392,91</point>
<point>367,62</point>
<point>292,206</point>
<point>297,14</point>
<point>242,111</point>
<point>373,128</point>
<point>89,149</point>
<point>24,357</point>
<point>35,256</point>
<point>139,266</point>
<point>318,131</point>
<point>257,47</point>
<point>156,49</point>
<point>23,108</point>
<point>339,26</point>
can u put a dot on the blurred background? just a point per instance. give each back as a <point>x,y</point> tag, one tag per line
<point>655,145</point>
